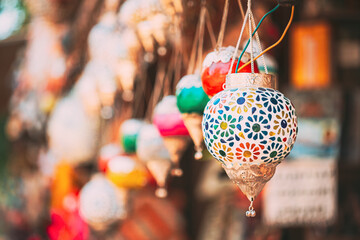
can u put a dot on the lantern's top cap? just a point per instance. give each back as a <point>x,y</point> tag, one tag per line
<point>240,80</point>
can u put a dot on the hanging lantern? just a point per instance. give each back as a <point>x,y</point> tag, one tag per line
<point>130,39</point>
<point>167,119</point>
<point>117,49</point>
<point>216,66</point>
<point>249,128</point>
<point>152,151</point>
<point>96,88</point>
<point>160,23</point>
<point>134,11</point>
<point>152,20</point>
<point>172,7</point>
<point>107,152</point>
<point>101,203</point>
<point>72,133</point>
<point>191,101</point>
<point>100,37</point>
<point>124,63</point>
<point>129,132</point>
<point>124,172</point>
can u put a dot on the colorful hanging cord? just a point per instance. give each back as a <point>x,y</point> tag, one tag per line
<point>275,44</point>
<point>257,27</point>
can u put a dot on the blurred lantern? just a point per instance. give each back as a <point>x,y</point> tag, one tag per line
<point>61,184</point>
<point>101,203</point>
<point>167,119</point>
<point>107,152</point>
<point>134,11</point>
<point>216,66</point>
<point>160,23</point>
<point>144,29</point>
<point>152,151</point>
<point>130,39</point>
<point>54,11</point>
<point>117,47</point>
<point>45,64</point>
<point>72,133</point>
<point>47,163</point>
<point>249,128</point>
<point>14,13</point>
<point>152,20</point>
<point>100,37</point>
<point>97,88</point>
<point>129,132</point>
<point>26,115</point>
<point>123,62</point>
<point>172,7</point>
<point>191,101</point>
<point>126,73</point>
<point>66,222</point>
<point>124,172</point>
<point>67,225</point>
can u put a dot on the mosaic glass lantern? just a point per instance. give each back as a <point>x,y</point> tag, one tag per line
<point>191,101</point>
<point>129,131</point>
<point>249,128</point>
<point>101,203</point>
<point>167,119</point>
<point>152,151</point>
<point>216,66</point>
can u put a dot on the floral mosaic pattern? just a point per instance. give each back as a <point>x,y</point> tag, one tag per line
<point>223,152</point>
<point>282,123</point>
<point>242,101</point>
<point>249,125</point>
<point>218,102</point>
<point>256,127</point>
<point>247,152</point>
<point>273,153</point>
<point>273,100</point>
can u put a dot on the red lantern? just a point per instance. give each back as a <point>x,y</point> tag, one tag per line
<point>216,66</point>
<point>107,152</point>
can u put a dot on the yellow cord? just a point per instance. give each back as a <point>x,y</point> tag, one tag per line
<point>275,44</point>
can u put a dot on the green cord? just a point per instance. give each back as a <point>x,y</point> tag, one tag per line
<point>247,44</point>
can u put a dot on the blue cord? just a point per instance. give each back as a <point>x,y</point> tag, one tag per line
<point>247,44</point>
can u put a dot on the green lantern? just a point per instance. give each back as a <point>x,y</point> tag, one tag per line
<point>129,132</point>
<point>191,101</point>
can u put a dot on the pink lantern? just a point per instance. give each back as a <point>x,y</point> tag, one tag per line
<point>167,118</point>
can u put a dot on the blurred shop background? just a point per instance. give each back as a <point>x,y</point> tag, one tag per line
<point>73,71</point>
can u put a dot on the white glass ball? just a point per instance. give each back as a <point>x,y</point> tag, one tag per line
<point>150,145</point>
<point>249,125</point>
<point>101,203</point>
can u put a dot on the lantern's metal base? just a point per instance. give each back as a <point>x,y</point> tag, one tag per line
<point>250,178</point>
<point>192,122</point>
<point>241,80</point>
<point>176,145</point>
